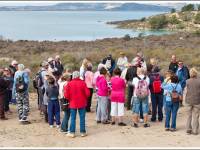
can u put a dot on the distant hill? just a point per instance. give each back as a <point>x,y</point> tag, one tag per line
<point>89,7</point>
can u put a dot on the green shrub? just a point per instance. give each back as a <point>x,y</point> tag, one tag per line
<point>180,26</point>
<point>143,19</point>
<point>158,22</point>
<point>173,10</point>
<point>127,37</point>
<point>174,20</point>
<point>189,7</point>
<point>197,19</point>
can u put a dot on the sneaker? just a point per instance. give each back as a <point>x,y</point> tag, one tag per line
<point>141,120</point>
<point>57,126</point>
<point>83,134</point>
<point>167,129</point>
<point>172,129</point>
<point>194,133</point>
<point>62,131</point>
<point>135,125</point>
<point>121,124</point>
<point>24,118</point>
<point>51,126</point>
<point>113,123</point>
<point>146,125</point>
<point>71,135</point>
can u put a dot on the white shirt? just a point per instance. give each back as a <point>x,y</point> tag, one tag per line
<point>61,88</point>
<point>121,62</point>
<point>136,81</point>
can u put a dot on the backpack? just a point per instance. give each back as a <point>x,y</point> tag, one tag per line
<point>156,85</point>
<point>20,84</point>
<point>37,80</point>
<point>142,90</point>
<point>175,95</point>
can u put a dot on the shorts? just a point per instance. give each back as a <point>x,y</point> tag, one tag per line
<point>117,109</point>
<point>137,103</point>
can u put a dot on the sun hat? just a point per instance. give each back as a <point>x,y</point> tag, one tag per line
<point>50,59</point>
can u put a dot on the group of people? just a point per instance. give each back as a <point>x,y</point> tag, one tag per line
<point>149,92</point>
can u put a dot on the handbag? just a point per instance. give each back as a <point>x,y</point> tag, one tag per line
<point>64,104</point>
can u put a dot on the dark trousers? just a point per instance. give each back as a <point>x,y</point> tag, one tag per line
<point>89,102</point>
<point>53,111</point>
<point>141,112</point>
<point>8,98</point>
<point>130,94</point>
<point>2,114</point>
<point>40,98</point>
<point>64,125</point>
<point>157,105</point>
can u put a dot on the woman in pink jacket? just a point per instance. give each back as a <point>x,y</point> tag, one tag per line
<point>117,98</point>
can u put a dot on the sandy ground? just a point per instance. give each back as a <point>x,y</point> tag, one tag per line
<point>39,134</point>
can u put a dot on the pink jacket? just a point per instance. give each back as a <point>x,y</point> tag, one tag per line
<point>89,75</point>
<point>118,89</point>
<point>102,86</point>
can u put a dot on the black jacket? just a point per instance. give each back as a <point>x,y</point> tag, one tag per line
<point>173,67</point>
<point>131,73</point>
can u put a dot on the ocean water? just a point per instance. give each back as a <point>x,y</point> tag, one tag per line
<point>68,25</point>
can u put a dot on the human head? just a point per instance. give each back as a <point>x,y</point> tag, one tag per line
<point>117,72</point>
<point>66,77</point>
<point>51,80</point>
<point>109,56</point>
<point>21,67</point>
<point>50,60</point>
<point>100,66</point>
<point>28,71</point>
<point>140,71</point>
<point>122,54</point>
<point>174,79</point>
<point>180,64</point>
<point>57,57</point>
<point>193,73</point>
<point>45,64</point>
<point>140,54</point>
<point>173,58</point>
<point>89,67</point>
<point>135,61</point>
<point>168,74</point>
<point>103,71</point>
<point>75,74</point>
<point>153,61</point>
<point>14,63</point>
<point>85,62</point>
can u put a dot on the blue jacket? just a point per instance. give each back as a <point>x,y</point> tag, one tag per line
<point>182,76</point>
<point>26,80</point>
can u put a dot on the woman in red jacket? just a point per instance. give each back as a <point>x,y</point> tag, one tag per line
<point>77,93</point>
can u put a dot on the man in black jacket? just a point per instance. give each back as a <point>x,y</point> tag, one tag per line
<point>174,64</point>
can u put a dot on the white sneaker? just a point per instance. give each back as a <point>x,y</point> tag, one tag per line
<point>51,126</point>
<point>71,135</point>
<point>83,134</point>
<point>57,126</point>
<point>141,121</point>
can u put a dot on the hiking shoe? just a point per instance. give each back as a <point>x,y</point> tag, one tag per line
<point>113,123</point>
<point>51,126</point>
<point>141,120</point>
<point>135,125</point>
<point>71,135</point>
<point>146,125</point>
<point>83,134</point>
<point>98,122</point>
<point>121,124</point>
<point>105,122</point>
<point>189,131</point>
<point>62,131</point>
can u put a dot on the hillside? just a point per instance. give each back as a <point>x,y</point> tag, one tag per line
<point>178,21</point>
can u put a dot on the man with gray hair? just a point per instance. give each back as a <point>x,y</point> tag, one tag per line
<point>20,92</point>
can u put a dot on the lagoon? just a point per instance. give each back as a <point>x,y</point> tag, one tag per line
<point>68,25</point>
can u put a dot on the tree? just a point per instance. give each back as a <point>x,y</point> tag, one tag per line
<point>189,7</point>
<point>127,37</point>
<point>173,10</point>
<point>174,20</point>
<point>158,22</point>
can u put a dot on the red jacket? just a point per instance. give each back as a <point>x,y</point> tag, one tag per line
<point>77,93</point>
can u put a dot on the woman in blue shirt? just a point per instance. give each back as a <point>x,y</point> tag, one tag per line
<point>171,107</point>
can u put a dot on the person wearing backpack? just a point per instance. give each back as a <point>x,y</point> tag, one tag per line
<point>156,80</point>
<point>174,92</point>
<point>20,92</point>
<point>140,95</point>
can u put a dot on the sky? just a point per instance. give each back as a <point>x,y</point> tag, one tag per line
<point>45,3</point>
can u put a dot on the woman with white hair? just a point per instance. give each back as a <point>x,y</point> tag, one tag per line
<point>193,102</point>
<point>20,92</point>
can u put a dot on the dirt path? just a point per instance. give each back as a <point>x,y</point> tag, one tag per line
<point>38,133</point>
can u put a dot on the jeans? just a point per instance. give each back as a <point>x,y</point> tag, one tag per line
<point>137,103</point>
<point>81,112</point>
<point>171,110</point>
<point>53,110</point>
<point>64,125</point>
<point>157,104</point>
<point>130,94</point>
